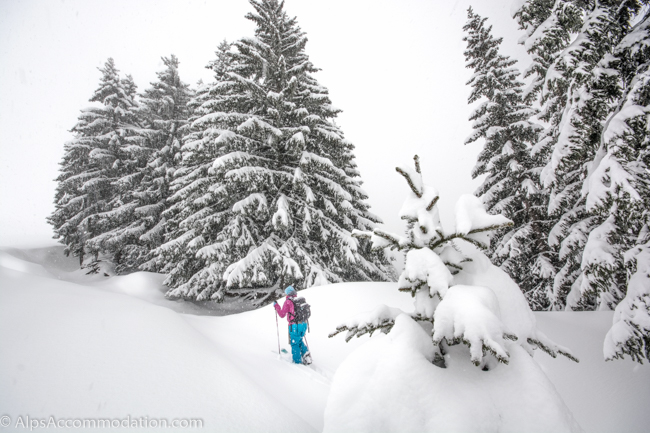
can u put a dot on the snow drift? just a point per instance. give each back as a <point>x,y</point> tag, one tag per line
<point>83,346</point>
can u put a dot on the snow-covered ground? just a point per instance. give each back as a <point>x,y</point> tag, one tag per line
<point>90,347</point>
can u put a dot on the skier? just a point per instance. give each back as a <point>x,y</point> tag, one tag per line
<point>299,350</point>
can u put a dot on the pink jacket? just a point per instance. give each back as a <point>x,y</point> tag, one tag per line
<point>287,309</point>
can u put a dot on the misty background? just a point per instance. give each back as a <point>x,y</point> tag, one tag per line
<point>396,69</point>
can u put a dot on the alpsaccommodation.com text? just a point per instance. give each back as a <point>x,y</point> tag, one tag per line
<point>52,422</point>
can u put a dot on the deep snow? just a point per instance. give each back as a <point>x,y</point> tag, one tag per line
<point>393,379</point>
<point>82,346</point>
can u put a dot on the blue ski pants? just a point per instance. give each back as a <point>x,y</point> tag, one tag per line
<point>296,336</point>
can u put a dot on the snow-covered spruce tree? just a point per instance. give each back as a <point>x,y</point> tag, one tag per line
<point>193,204</point>
<point>107,145</point>
<point>602,146</point>
<point>594,98</point>
<point>578,94</point>
<point>167,102</point>
<point>616,260</point>
<point>549,26</point>
<point>617,188</point>
<point>512,186</point>
<point>119,224</point>
<point>437,260</point>
<point>136,224</point>
<point>281,194</point>
<point>460,297</point>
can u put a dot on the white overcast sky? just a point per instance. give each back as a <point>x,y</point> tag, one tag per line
<point>395,68</point>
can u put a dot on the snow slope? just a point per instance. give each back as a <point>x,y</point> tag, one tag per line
<point>82,346</point>
<point>81,352</point>
<point>604,396</point>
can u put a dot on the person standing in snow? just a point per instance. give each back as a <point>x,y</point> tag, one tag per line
<point>299,350</point>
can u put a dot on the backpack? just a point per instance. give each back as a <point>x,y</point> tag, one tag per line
<point>302,310</point>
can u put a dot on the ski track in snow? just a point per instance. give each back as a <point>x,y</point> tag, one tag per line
<point>89,346</point>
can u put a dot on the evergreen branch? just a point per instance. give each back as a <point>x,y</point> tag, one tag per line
<point>339,329</point>
<point>409,219</point>
<point>542,346</point>
<point>433,203</point>
<point>550,351</point>
<point>478,244</point>
<point>486,349</point>
<point>394,241</point>
<point>385,326</point>
<point>361,234</point>
<point>492,227</point>
<point>453,265</point>
<point>420,318</point>
<point>409,181</point>
<point>436,243</point>
<point>568,355</point>
<point>412,289</point>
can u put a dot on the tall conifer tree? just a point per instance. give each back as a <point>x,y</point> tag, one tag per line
<point>594,93</point>
<point>192,204</point>
<point>106,146</point>
<point>511,186</point>
<point>135,226</point>
<point>616,261</point>
<point>269,192</point>
<point>578,92</point>
<point>549,26</point>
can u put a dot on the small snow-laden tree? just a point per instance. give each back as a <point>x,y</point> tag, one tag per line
<point>437,263</point>
<point>511,186</point>
<point>411,379</point>
<point>108,144</point>
<point>284,191</point>
<point>137,223</point>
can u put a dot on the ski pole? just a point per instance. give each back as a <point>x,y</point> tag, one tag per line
<point>277,328</point>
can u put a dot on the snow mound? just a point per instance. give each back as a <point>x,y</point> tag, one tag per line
<point>392,377</point>
<point>9,261</point>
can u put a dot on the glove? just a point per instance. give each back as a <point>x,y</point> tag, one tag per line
<point>275,303</point>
